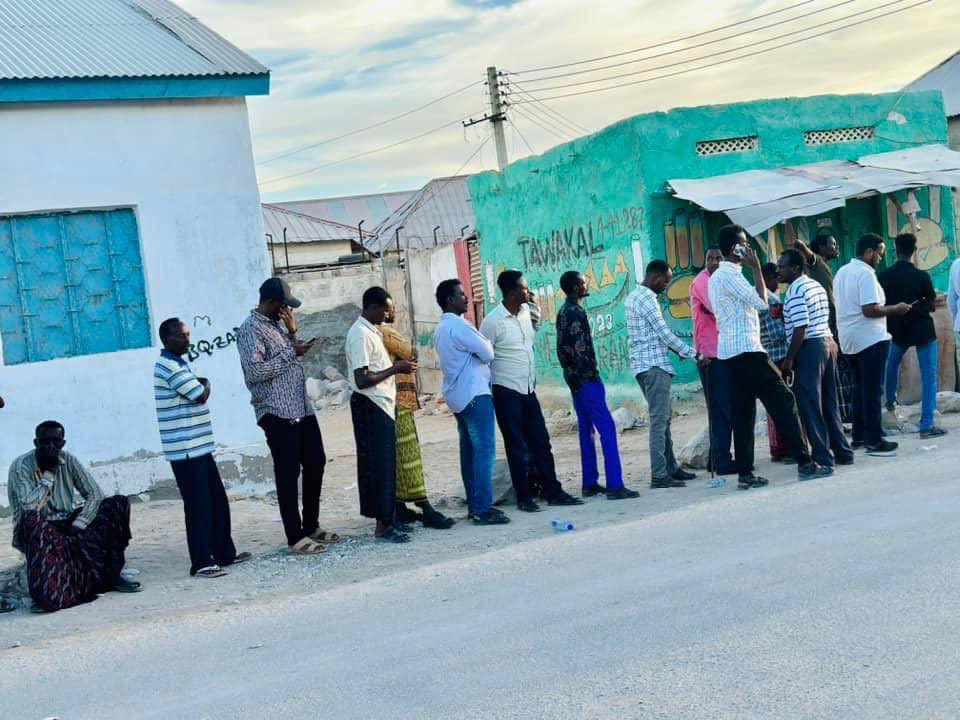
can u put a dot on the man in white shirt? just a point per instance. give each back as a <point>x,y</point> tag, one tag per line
<point>811,357</point>
<point>371,374</point>
<point>514,373</point>
<point>953,302</point>
<point>862,325</point>
<point>755,377</point>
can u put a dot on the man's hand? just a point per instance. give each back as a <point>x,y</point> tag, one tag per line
<point>405,367</point>
<point>832,348</point>
<point>286,314</point>
<point>786,366</point>
<point>301,348</point>
<point>899,309</point>
<point>702,360</point>
<point>750,258</point>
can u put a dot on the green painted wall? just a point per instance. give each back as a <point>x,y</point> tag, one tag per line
<point>599,204</point>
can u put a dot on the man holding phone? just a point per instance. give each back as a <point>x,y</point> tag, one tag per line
<point>270,353</point>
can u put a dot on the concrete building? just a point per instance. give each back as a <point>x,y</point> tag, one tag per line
<point>660,186</point>
<point>945,77</point>
<point>128,195</point>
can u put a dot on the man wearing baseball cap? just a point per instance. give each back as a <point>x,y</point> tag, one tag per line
<point>270,355</point>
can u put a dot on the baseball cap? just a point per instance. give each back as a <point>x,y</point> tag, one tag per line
<point>277,289</point>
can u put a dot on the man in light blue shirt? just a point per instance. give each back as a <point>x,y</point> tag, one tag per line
<point>465,357</point>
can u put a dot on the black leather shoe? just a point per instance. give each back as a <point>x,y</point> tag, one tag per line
<point>126,586</point>
<point>527,506</point>
<point>682,474</point>
<point>622,493</point>
<point>564,499</point>
<point>593,491</point>
<point>661,483</point>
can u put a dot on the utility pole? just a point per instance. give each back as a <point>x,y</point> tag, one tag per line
<point>496,116</point>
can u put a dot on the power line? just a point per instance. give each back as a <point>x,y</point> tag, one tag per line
<point>517,129</point>
<point>535,121</point>
<point>556,114</point>
<point>702,44</point>
<point>733,59</point>
<point>721,52</point>
<point>667,42</point>
<point>360,155</point>
<point>550,122</point>
<point>370,127</point>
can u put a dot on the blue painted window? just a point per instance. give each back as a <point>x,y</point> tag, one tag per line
<point>71,284</point>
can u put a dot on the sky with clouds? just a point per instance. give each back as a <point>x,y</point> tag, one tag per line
<point>338,65</point>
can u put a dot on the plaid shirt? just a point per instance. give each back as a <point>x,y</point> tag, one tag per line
<point>650,338</point>
<point>773,333</point>
<point>271,369</point>
<point>735,305</point>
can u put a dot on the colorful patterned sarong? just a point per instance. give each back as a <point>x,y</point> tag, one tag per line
<point>410,484</point>
<point>66,566</point>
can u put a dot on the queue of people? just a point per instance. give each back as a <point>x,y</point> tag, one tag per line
<point>748,345</point>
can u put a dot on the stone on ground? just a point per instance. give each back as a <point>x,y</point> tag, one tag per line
<point>696,452</point>
<point>948,402</point>
<point>624,419</point>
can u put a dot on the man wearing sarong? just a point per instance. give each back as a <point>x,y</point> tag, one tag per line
<point>410,483</point>
<point>372,373</point>
<point>73,537</point>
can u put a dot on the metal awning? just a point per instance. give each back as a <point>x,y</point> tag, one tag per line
<point>759,199</point>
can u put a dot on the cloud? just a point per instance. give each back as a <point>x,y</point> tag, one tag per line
<point>343,64</point>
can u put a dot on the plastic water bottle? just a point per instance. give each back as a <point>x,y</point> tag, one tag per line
<point>716,482</point>
<point>562,525</point>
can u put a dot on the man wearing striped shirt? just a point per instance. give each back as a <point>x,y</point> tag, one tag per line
<point>186,435</point>
<point>755,377</point>
<point>811,357</point>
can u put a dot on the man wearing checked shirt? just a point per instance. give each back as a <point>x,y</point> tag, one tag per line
<point>755,377</point>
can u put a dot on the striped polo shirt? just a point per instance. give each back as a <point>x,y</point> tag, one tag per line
<point>807,305</point>
<point>185,429</point>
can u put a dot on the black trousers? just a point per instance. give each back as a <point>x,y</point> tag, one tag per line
<point>296,445</point>
<point>755,377</point>
<point>206,512</point>
<point>868,368</point>
<point>375,433</point>
<point>818,403</point>
<point>525,435</point>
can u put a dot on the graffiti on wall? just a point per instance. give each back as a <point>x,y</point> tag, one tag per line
<point>568,245</point>
<point>683,240</point>
<point>920,213</point>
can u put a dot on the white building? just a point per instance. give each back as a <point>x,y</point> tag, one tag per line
<point>127,196</point>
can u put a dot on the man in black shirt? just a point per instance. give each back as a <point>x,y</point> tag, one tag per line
<point>904,282</point>
<point>579,362</point>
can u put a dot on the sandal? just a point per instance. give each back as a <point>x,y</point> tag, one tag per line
<point>242,557</point>
<point>324,537</point>
<point>437,520</point>
<point>211,571</point>
<point>307,546</point>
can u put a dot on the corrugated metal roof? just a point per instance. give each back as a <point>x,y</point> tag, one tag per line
<point>304,228</point>
<point>945,77</point>
<point>372,209</point>
<point>759,199</point>
<point>445,202</point>
<point>59,39</point>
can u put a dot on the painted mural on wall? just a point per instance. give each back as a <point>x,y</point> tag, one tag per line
<point>605,249</point>
<point>921,213</point>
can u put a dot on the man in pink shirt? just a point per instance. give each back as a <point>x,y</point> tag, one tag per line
<point>715,376</point>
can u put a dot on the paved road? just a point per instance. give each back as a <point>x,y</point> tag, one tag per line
<point>830,599</point>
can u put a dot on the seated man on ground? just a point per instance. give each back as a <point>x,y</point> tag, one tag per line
<point>73,538</point>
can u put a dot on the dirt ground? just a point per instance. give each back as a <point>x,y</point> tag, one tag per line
<point>158,550</point>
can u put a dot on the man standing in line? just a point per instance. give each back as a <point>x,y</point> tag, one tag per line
<point>270,355</point>
<point>410,483</point>
<point>755,377</point>
<point>713,375</point>
<point>861,320</point>
<point>580,371</point>
<point>186,435</point>
<point>953,303</point>
<point>810,358</point>
<point>773,337</point>
<point>509,328</point>
<point>822,249</point>
<point>465,357</point>
<point>650,341</point>
<point>372,373</point>
<point>904,282</point>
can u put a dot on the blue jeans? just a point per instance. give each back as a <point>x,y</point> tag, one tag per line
<point>927,359</point>
<point>590,404</point>
<point>478,449</point>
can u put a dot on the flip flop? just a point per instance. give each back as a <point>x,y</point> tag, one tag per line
<point>307,546</point>
<point>242,557</point>
<point>324,537</point>
<point>211,571</point>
